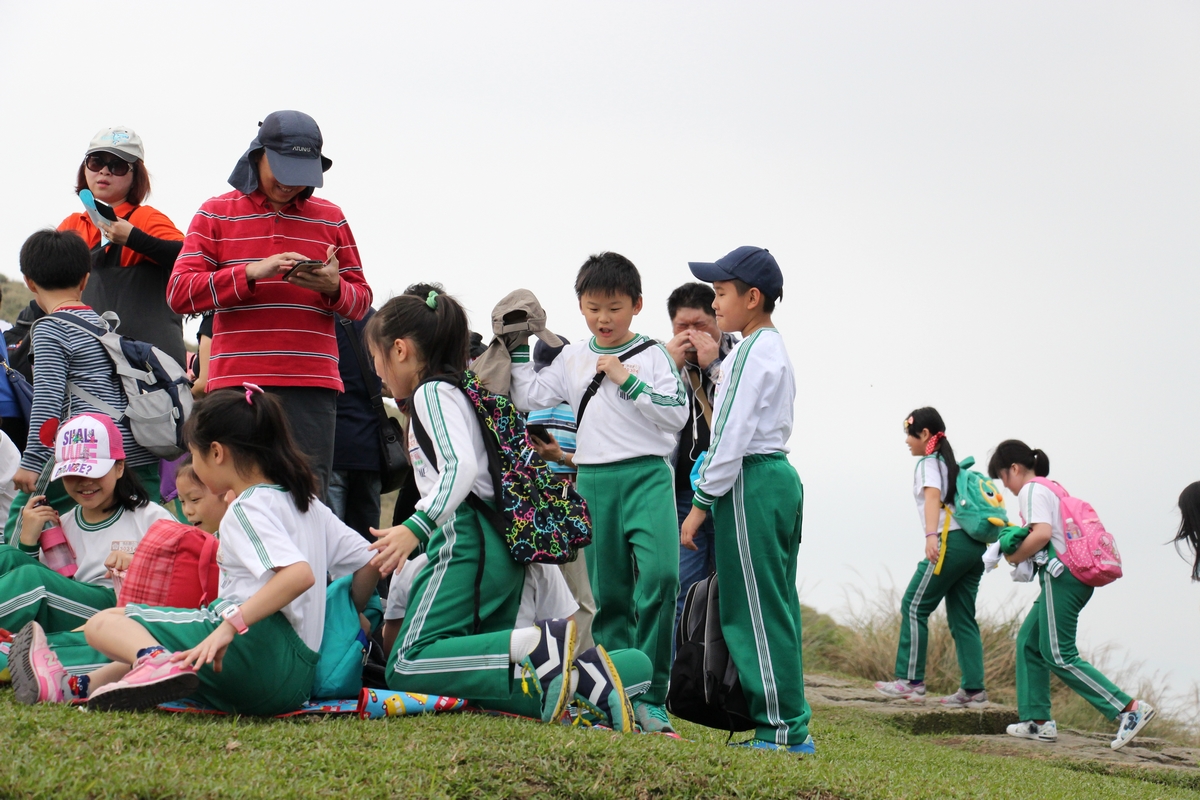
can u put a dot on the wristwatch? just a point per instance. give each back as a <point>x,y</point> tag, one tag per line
<point>562,460</point>
<point>233,615</point>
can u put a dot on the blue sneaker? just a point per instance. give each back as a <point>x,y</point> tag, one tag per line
<point>600,691</point>
<point>652,719</point>
<point>807,747</point>
<point>549,663</point>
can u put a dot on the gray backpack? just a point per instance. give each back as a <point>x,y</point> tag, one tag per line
<point>157,390</point>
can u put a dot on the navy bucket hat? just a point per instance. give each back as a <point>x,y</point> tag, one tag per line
<point>292,143</point>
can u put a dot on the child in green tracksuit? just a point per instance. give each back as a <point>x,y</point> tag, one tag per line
<point>951,569</point>
<point>459,636</point>
<point>624,443</point>
<point>756,499</point>
<point>1046,641</point>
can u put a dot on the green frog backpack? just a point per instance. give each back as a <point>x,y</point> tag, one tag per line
<point>978,504</point>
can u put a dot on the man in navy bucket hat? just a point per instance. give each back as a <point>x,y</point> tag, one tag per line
<point>276,265</point>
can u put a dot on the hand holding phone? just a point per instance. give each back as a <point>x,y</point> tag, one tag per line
<point>307,266</point>
<point>539,432</point>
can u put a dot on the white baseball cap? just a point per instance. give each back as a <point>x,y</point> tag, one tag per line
<point>120,141</point>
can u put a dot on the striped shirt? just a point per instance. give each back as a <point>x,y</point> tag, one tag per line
<point>61,353</point>
<point>268,332</point>
<point>560,422</point>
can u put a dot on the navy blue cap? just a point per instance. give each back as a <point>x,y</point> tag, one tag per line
<point>753,266</point>
<point>292,142</point>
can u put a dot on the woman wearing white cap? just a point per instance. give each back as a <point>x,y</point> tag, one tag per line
<point>133,260</point>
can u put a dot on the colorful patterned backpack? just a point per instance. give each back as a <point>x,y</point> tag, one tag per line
<point>542,517</point>
<point>1091,553</point>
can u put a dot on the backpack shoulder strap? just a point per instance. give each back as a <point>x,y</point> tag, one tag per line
<point>415,422</point>
<point>111,345</point>
<point>594,386</point>
<point>1053,486</point>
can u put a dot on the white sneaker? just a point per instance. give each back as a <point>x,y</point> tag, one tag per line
<point>1130,723</point>
<point>901,690</point>
<point>963,699</point>
<point>1028,729</point>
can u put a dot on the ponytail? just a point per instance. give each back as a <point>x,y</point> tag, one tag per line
<point>928,418</point>
<point>252,426</point>
<point>433,320</point>
<point>1189,524</point>
<point>1014,451</point>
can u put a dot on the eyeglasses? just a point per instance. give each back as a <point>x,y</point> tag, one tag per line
<point>117,166</point>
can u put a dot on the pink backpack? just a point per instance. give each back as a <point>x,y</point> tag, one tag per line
<point>1091,553</point>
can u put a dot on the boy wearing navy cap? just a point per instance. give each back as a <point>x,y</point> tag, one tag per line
<point>756,543</point>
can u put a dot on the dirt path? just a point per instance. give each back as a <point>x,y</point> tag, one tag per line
<point>982,730</point>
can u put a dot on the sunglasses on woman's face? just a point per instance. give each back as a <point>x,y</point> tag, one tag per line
<point>117,166</point>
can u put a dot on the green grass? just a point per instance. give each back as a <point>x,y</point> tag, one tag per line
<point>62,752</point>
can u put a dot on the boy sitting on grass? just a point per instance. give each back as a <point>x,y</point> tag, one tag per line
<point>756,542</point>
<point>623,445</point>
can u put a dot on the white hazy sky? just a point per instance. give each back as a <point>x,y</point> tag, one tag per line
<point>987,207</point>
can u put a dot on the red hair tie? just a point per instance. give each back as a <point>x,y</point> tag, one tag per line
<point>932,444</point>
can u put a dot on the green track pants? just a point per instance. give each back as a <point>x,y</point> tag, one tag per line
<point>438,650</point>
<point>30,591</point>
<point>633,561</point>
<point>1046,644</point>
<point>958,584</point>
<point>757,544</point>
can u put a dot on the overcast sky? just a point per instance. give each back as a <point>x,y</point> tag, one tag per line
<point>989,208</point>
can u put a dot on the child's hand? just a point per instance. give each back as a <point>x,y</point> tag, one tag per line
<point>25,480</point>
<point>118,561</point>
<point>210,651</point>
<point>395,545</point>
<point>550,451</point>
<point>35,517</point>
<point>691,524</point>
<point>932,548</point>
<point>613,368</point>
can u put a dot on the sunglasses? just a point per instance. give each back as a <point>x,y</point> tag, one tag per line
<point>117,166</point>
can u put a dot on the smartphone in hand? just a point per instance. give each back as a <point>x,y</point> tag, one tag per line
<point>306,266</point>
<point>539,432</point>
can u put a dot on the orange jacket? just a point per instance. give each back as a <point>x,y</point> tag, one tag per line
<point>149,220</point>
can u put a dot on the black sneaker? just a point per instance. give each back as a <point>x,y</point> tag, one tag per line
<point>600,690</point>
<point>549,662</point>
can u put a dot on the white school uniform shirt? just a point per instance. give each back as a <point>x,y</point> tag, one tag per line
<point>449,419</point>
<point>93,544</point>
<point>1037,504</point>
<point>641,418</point>
<point>545,594</point>
<point>263,531</point>
<point>932,471</point>
<point>10,462</point>
<point>752,415</point>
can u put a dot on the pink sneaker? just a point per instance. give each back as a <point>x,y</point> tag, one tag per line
<point>37,674</point>
<point>154,680</point>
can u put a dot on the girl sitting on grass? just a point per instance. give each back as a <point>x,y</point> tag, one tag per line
<point>449,645</point>
<point>952,574</point>
<point>1046,642</point>
<point>253,650</point>
<point>112,514</point>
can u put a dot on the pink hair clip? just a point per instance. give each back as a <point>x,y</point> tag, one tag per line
<point>251,388</point>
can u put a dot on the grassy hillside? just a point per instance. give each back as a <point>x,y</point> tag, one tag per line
<point>15,297</point>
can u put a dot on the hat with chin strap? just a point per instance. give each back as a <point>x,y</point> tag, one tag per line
<point>292,142</point>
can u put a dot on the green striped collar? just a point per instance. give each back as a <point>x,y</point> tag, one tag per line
<point>612,351</point>
<point>250,489</point>
<point>98,526</point>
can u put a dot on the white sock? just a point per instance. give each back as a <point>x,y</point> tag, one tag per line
<point>522,643</point>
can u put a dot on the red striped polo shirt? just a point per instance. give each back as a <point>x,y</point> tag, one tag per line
<point>268,332</point>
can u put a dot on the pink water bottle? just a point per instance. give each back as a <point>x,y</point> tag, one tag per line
<point>56,551</point>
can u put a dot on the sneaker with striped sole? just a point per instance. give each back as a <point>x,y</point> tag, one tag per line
<point>153,680</point>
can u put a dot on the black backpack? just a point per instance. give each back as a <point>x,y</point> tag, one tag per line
<point>704,682</point>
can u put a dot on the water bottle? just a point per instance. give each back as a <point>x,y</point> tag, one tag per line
<point>56,551</point>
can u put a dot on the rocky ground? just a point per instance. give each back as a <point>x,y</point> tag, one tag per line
<point>982,730</point>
